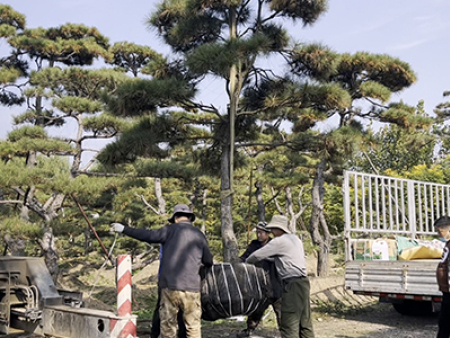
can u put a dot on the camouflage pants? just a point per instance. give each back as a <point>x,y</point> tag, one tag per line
<point>171,302</point>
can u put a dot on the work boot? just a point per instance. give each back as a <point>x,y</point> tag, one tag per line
<point>244,333</point>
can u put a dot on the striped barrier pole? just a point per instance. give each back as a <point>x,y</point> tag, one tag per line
<point>125,327</point>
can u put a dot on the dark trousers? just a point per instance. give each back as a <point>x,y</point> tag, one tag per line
<point>296,309</point>
<point>444,316</point>
<point>156,321</point>
<point>254,319</point>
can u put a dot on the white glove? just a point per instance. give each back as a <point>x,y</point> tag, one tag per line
<point>117,227</point>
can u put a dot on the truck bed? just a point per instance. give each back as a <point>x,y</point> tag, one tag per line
<point>415,277</point>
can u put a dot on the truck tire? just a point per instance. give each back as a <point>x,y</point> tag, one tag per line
<point>414,308</point>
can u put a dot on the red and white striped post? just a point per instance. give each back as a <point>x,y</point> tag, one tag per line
<point>125,327</point>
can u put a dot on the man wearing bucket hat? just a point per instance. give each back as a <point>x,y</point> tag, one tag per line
<point>263,237</point>
<point>289,256</point>
<point>185,251</point>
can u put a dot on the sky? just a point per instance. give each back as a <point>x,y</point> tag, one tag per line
<point>415,31</point>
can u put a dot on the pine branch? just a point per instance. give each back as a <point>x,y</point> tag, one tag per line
<point>103,174</point>
<point>90,137</point>
<point>376,103</point>
<point>92,160</point>
<point>147,204</point>
<point>267,146</point>
<point>11,202</point>
<point>302,207</point>
<point>274,198</point>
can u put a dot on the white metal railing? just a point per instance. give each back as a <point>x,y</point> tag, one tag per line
<point>375,205</point>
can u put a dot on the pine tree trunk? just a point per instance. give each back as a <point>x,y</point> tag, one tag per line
<point>230,248</point>
<point>290,210</point>
<point>317,222</point>
<point>16,246</point>
<point>87,240</point>
<point>260,207</point>
<point>159,196</point>
<point>324,251</point>
<point>56,205</point>
<point>51,257</point>
<point>204,205</point>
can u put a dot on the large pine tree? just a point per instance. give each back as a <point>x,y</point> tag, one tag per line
<point>58,92</point>
<point>226,40</point>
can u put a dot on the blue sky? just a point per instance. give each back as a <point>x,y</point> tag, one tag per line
<point>415,31</point>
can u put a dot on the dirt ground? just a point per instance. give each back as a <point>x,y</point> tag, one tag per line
<point>336,313</point>
<point>380,321</point>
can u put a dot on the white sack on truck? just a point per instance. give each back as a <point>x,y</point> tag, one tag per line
<point>233,289</point>
<point>375,249</point>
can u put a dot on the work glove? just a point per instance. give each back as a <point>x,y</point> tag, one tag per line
<point>117,227</point>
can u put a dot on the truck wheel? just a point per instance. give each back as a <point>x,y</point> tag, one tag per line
<point>413,308</point>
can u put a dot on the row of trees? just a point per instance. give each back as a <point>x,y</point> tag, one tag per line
<point>265,154</point>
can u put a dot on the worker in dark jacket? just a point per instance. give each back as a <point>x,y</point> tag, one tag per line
<point>274,299</point>
<point>442,227</point>
<point>185,252</point>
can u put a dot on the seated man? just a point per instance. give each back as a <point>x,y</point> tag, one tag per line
<point>253,320</point>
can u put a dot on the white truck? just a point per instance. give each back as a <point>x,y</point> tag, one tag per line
<point>380,211</point>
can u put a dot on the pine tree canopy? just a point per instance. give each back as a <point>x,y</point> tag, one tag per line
<point>302,103</point>
<point>69,44</point>
<point>9,75</point>
<point>10,71</point>
<point>105,124</point>
<point>70,104</point>
<point>405,116</point>
<point>133,57</point>
<point>442,110</point>
<point>179,169</point>
<point>217,58</point>
<point>308,11</point>
<point>152,137</point>
<point>314,60</point>
<point>45,173</point>
<point>16,227</point>
<point>9,17</point>
<point>75,81</point>
<point>11,68</point>
<point>186,25</point>
<point>24,145</point>
<point>361,67</point>
<point>375,90</point>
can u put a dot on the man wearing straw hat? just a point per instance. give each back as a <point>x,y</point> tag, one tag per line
<point>289,256</point>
